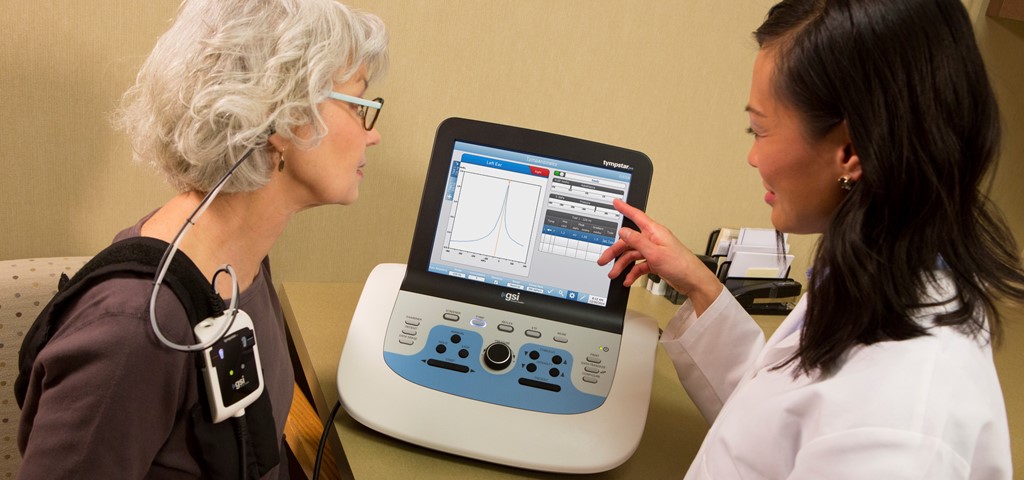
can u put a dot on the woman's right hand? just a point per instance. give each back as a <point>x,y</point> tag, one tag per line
<point>656,250</point>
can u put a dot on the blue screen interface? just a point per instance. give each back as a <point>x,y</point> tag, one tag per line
<point>528,222</point>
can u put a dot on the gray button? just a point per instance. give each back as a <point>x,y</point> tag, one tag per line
<point>405,341</point>
<point>592,359</point>
<point>592,369</point>
<point>561,339</point>
<point>505,328</point>
<point>409,331</point>
<point>590,379</point>
<point>412,321</point>
<point>451,316</point>
<point>533,333</point>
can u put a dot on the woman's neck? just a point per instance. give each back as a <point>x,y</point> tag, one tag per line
<point>238,229</point>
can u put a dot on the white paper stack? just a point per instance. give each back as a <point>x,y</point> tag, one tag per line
<point>755,253</point>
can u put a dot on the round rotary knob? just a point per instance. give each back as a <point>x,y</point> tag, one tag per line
<point>497,356</point>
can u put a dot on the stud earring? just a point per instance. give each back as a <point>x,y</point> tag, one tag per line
<point>846,183</point>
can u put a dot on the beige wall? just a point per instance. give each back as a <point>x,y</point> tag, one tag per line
<point>1002,43</point>
<point>666,78</point>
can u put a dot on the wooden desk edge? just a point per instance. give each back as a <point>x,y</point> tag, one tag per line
<point>307,365</point>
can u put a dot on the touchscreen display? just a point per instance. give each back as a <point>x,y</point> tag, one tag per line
<point>528,222</point>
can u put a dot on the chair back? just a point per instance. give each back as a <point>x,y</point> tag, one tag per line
<point>26,286</point>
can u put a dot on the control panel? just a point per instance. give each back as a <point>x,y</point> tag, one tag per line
<point>494,385</point>
<point>500,357</point>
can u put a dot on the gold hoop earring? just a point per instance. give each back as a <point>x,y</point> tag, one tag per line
<point>846,183</point>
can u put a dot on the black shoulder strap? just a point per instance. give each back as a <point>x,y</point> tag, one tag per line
<point>219,452</point>
<point>138,256</point>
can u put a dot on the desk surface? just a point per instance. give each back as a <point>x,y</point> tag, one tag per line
<point>318,316</point>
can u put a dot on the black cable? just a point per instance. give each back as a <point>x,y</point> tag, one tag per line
<point>242,432</point>
<point>323,440</point>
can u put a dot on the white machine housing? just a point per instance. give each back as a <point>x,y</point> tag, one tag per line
<point>593,441</point>
<point>232,372</point>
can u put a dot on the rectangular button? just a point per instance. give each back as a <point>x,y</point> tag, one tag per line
<point>447,365</point>
<point>541,385</point>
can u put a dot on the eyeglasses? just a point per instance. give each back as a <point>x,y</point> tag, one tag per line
<point>369,117</point>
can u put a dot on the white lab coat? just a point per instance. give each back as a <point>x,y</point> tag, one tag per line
<point>926,408</point>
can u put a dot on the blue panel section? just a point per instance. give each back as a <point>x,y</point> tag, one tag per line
<point>578,235</point>
<point>545,161</point>
<point>538,380</point>
<point>499,164</point>
<point>453,176</point>
<point>505,281</point>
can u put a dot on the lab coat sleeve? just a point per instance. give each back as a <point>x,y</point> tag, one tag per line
<point>882,453</point>
<point>713,352</point>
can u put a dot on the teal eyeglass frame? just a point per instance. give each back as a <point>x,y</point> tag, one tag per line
<point>368,120</point>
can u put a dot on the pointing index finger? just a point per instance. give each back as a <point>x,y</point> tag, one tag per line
<point>635,214</point>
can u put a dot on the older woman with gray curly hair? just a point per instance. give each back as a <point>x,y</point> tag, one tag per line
<point>281,80</point>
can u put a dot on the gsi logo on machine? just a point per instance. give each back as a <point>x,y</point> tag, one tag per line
<point>511,297</point>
